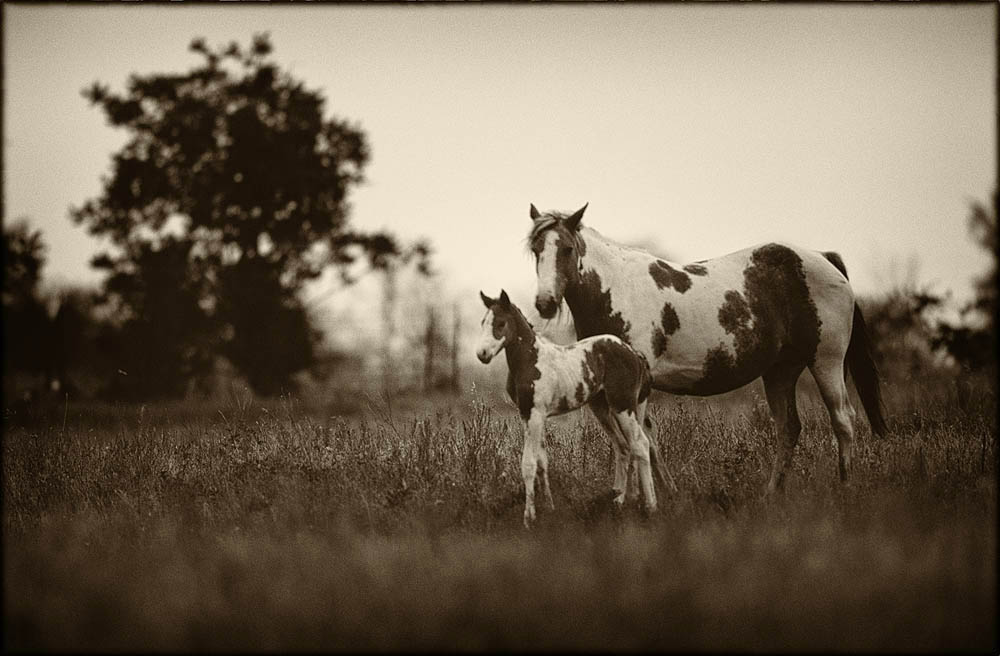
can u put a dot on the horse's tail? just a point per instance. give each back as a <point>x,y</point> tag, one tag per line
<point>861,362</point>
<point>661,474</point>
<point>836,261</point>
<point>865,373</point>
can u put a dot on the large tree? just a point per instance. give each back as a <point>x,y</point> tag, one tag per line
<point>230,193</point>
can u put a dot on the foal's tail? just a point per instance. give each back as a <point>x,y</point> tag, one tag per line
<point>860,361</point>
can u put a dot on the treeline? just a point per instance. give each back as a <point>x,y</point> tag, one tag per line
<point>230,194</point>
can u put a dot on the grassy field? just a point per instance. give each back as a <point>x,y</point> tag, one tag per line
<point>288,525</point>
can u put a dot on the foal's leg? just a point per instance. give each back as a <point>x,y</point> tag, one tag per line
<point>639,448</point>
<point>599,406</point>
<point>632,491</point>
<point>533,429</point>
<point>543,471</point>
<point>660,471</point>
<point>829,375</point>
<point>779,387</point>
<point>632,483</point>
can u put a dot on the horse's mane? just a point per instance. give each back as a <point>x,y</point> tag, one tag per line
<point>545,222</point>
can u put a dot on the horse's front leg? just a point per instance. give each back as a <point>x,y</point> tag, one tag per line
<point>533,430</point>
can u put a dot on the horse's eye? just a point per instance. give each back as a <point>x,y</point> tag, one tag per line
<point>565,250</point>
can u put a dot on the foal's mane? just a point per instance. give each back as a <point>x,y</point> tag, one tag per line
<point>523,318</point>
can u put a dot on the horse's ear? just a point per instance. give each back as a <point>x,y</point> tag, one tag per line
<point>534,213</point>
<point>504,299</point>
<point>573,222</point>
<point>487,301</point>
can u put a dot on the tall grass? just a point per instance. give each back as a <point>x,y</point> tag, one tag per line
<point>279,526</point>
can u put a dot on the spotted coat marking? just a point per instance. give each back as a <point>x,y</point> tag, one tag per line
<point>669,323</point>
<point>593,313</point>
<point>667,276</point>
<point>696,269</point>
<point>774,319</point>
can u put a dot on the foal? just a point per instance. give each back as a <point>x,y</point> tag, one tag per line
<point>546,379</point>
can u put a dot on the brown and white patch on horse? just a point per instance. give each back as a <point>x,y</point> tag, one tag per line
<point>591,374</point>
<point>669,323</point>
<point>668,277</point>
<point>521,388</point>
<point>696,269</point>
<point>593,311</point>
<point>625,373</point>
<point>773,321</point>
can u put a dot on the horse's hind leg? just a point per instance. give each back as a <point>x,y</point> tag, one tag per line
<point>779,387</point>
<point>829,375</point>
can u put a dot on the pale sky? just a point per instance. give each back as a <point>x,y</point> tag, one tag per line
<point>702,129</point>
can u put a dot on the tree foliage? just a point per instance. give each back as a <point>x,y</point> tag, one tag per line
<point>23,259</point>
<point>907,332</point>
<point>229,195</point>
<point>973,344</point>
<point>25,319</point>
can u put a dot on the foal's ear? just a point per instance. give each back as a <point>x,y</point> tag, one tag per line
<point>573,222</point>
<point>487,301</point>
<point>504,299</point>
<point>534,213</point>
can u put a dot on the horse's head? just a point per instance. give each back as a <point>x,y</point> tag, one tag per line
<point>499,326</point>
<point>557,246</point>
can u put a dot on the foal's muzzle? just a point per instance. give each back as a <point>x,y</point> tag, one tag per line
<point>546,306</point>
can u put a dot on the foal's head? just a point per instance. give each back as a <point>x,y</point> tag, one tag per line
<point>499,326</point>
<point>555,241</point>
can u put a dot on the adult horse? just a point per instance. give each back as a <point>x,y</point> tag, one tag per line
<point>712,326</point>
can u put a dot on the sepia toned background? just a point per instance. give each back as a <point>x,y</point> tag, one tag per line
<point>197,431</point>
